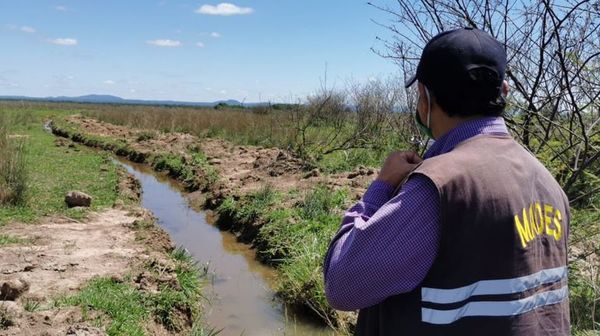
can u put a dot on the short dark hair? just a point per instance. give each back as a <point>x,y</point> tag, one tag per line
<point>481,95</point>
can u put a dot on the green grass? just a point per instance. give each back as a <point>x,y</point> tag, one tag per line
<point>316,219</point>
<point>32,305</point>
<point>295,239</point>
<point>121,302</point>
<point>192,169</point>
<point>54,170</point>
<point>251,208</point>
<point>199,330</point>
<point>584,275</point>
<point>13,173</point>
<point>9,240</point>
<point>125,310</point>
<point>166,303</point>
<point>146,135</point>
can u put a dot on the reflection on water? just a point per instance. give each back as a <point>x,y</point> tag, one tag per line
<point>243,302</point>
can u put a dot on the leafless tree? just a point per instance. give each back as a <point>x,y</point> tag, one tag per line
<point>360,116</point>
<point>554,70</point>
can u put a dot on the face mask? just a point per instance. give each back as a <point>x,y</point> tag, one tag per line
<point>425,129</point>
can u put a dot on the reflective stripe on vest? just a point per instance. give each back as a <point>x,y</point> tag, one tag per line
<point>494,287</point>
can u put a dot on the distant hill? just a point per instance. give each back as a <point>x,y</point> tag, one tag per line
<point>108,99</point>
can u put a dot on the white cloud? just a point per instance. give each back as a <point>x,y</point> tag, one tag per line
<point>215,35</point>
<point>27,29</point>
<point>24,29</point>
<point>64,41</point>
<point>109,82</point>
<point>223,92</point>
<point>200,45</point>
<point>61,8</point>
<point>164,43</point>
<point>225,9</point>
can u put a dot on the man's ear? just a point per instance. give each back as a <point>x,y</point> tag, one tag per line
<point>505,88</point>
<point>421,89</point>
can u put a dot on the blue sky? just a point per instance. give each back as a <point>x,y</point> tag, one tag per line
<point>274,50</point>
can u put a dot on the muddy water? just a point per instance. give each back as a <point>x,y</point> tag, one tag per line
<point>242,301</point>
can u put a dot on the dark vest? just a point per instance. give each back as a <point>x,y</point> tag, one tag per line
<point>501,263</point>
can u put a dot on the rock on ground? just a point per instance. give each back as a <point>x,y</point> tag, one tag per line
<point>13,288</point>
<point>78,199</point>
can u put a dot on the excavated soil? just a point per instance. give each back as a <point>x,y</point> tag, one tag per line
<point>242,169</point>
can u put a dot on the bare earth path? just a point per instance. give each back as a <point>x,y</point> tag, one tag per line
<point>59,257</point>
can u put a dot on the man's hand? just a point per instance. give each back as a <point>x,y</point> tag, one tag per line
<point>397,166</point>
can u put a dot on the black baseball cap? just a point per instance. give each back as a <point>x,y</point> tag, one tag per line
<point>452,62</point>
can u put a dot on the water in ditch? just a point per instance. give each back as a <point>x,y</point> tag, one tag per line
<point>242,301</point>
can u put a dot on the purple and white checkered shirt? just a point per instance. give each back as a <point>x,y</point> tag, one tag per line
<point>387,243</point>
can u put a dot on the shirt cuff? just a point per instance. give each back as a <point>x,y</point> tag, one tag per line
<point>378,194</point>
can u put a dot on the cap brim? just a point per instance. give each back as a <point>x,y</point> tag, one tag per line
<point>410,81</point>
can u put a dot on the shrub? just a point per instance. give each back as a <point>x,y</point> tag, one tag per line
<point>13,174</point>
<point>146,135</point>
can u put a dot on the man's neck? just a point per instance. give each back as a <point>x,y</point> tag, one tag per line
<point>445,123</point>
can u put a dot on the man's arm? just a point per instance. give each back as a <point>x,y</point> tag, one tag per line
<point>383,248</point>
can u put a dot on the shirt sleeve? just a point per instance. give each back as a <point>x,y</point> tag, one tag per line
<point>385,246</point>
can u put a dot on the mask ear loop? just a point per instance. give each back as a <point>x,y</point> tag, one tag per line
<point>428,107</point>
<point>428,119</point>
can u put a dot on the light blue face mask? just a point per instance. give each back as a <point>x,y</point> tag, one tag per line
<point>425,129</point>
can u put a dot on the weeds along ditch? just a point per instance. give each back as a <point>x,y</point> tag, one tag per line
<point>293,239</point>
<point>175,306</point>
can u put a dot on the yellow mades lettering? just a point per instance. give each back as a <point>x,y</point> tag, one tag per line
<point>537,219</point>
<point>532,225</point>
<point>557,223</point>
<point>548,210</point>
<point>523,229</point>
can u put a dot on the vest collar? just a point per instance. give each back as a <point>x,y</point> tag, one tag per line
<point>464,131</point>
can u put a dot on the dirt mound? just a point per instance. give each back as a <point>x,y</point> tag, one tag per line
<point>241,169</point>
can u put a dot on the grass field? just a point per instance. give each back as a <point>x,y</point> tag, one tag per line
<point>51,171</point>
